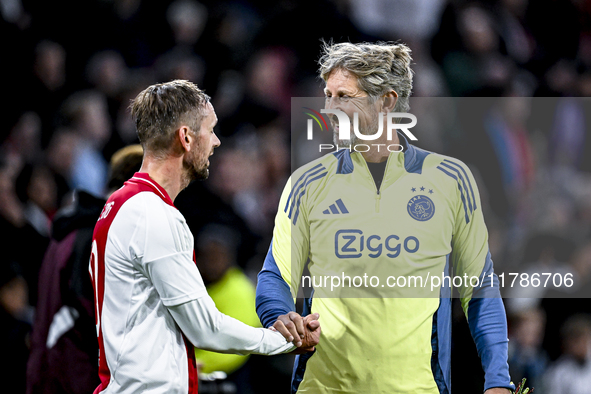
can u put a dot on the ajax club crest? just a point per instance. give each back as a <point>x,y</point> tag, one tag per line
<point>421,208</point>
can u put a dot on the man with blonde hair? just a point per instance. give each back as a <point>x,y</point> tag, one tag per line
<point>151,304</point>
<point>356,213</point>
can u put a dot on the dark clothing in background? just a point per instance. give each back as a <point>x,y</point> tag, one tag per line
<point>200,207</point>
<point>25,246</point>
<point>64,347</point>
<point>13,347</point>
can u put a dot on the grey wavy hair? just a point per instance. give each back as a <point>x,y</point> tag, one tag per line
<point>379,67</point>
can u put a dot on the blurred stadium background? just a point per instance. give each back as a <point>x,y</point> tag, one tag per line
<point>70,68</point>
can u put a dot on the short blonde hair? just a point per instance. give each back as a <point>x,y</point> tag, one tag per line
<point>379,67</point>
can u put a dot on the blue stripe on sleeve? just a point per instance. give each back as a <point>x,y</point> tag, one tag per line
<point>488,326</point>
<point>296,183</point>
<point>273,296</point>
<point>443,163</point>
<point>299,185</point>
<point>461,191</point>
<point>297,212</point>
<point>467,178</point>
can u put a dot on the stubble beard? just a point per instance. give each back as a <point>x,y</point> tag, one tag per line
<point>193,172</point>
<point>345,143</point>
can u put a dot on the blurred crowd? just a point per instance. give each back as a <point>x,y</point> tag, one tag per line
<point>71,67</point>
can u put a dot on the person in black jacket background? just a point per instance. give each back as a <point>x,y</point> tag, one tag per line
<point>64,349</point>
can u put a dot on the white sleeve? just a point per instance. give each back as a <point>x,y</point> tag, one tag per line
<point>163,251</point>
<point>176,278</point>
<point>209,329</point>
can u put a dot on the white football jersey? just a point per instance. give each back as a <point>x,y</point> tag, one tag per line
<point>143,262</point>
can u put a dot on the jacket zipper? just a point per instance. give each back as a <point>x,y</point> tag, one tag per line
<point>378,194</point>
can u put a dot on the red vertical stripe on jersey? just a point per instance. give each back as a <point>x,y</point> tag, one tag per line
<point>97,270</point>
<point>193,378</point>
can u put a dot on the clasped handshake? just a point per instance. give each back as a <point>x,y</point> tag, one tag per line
<point>303,332</point>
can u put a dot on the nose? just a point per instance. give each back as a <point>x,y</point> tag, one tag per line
<point>331,102</point>
<point>216,141</point>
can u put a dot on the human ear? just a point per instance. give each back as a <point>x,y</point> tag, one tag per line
<point>184,135</point>
<point>389,102</point>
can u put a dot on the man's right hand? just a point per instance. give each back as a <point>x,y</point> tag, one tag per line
<point>304,332</point>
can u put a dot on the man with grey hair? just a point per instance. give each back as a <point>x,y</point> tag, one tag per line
<point>356,213</point>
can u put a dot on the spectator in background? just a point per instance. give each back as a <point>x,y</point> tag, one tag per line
<point>505,125</point>
<point>239,183</point>
<point>180,64</point>
<point>37,190</point>
<point>187,19</point>
<point>50,65</point>
<point>24,141</point>
<point>566,141</point>
<point>478,69</point>
<point>527,358</point>
<point>543,253</point>
<point>24,244</point>
<point>253,191</point>
<point>107,73</point>
<point>560,304</point>
<point>513,29</point>
<point>417,19</point>
<point>124,126</point>
<point>48,86</point>
<point>35,185</point>
<point>64,349</point>
<point>571,373</point>
<point>87,114</point>
<point>60,155</point>
<point>270,79</point>
<point>559,79</point>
